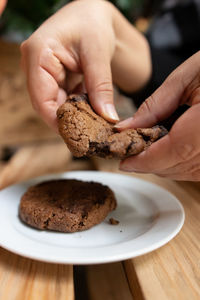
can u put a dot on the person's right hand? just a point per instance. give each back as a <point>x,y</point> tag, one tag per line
<point>176,155</point>
<point>84,38</point>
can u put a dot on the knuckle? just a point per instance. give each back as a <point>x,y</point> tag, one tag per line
<point>185,152</point>
<point>29,45</point>
<point>147,104</point>
<point>148,107</point>
<point>35,106</point>
<point>105,86</point>
<point>193,170</point>
<point>24,47</point>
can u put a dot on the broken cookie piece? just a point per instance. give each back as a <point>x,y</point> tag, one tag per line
<point>113,221</point>
<point>88,134</point>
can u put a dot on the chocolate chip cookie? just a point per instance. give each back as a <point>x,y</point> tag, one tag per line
<point>66,205</point>
<point>88,134</point>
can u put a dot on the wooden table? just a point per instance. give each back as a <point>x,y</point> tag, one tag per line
<point>171,272</point>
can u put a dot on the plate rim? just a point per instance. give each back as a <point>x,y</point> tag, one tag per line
<point>106,259</point>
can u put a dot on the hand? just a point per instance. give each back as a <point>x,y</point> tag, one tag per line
<point>85,38</point>
<point>177,155</point>
<point>2,6</point>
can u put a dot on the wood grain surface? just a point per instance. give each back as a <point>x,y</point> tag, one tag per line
<point>32,161</point>
<point>107,281</point>
<point>25,279</point>
<point>169,273</point>
<point>21,278</point>
<point>19,123</point>
<point>173,271</point>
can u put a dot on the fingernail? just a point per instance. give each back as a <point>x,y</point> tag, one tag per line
<point>124,124</point>
<point>110,113</point>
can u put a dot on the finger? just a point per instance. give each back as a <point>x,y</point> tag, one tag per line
<point>188,170</point>
<point>56,65</point>
<point>96,67</point>
<point>159,156</point>
<point>194,97</point>
<point>49,62</point>
<point>182,144</point>
<point>163,102</point>
<point>23,64</point>
<point>194,176</point>
<point>45,94</point>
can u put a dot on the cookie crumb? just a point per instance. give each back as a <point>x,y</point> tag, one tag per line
<point>113,221</point>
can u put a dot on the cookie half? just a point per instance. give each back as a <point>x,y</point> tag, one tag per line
<point>88,134</point>
<point>66,205</point>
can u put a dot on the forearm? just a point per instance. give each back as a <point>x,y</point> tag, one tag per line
<point>131,63</point>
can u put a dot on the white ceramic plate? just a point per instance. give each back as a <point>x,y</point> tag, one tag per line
<point>149,218</point>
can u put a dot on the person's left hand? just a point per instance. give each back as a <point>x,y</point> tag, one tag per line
<point>85,46</point>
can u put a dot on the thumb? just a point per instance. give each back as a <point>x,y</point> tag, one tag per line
<point>175,91</point>
<point>98,82</point>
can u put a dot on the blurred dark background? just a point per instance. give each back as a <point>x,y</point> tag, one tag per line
<point>22,17</point>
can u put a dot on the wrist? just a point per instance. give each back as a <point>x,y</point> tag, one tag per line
<point>131,63</point>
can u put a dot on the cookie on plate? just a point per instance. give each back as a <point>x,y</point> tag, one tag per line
<point>66,205</point>
<point>88,134</point>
